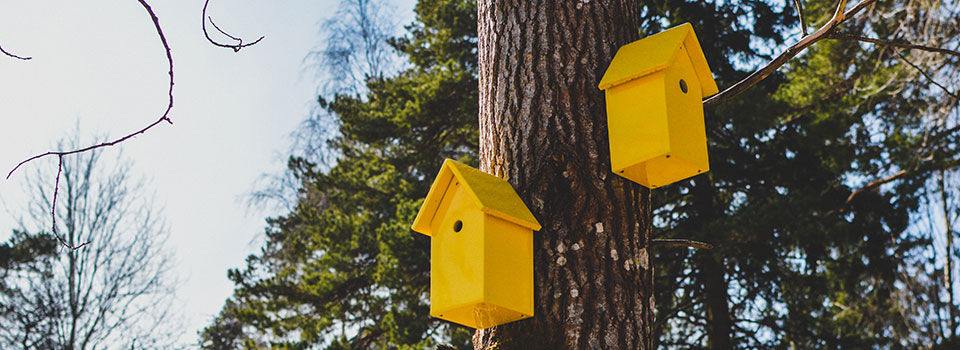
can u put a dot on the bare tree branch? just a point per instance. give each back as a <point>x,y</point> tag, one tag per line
<point>871,186</point>
<point>893,43</point>
<point>823,33</point>
<point>803,24</point>
<point>925,75</point>
<point>673,242</point>
<point>163,117</point>
<point>61,154</point>
<point>739,87</point>
<point>235,48</point>
<point>5,52</point>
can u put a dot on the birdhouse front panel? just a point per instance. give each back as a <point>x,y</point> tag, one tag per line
<point>456,262</point>
<point>654,90</point>
<point>507,282</point>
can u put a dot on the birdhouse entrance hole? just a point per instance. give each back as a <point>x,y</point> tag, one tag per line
<point>457,226</point>
<point>683,86</point>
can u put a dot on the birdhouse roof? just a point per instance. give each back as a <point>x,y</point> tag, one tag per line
<point>654,53</point>
<point>491,194</point>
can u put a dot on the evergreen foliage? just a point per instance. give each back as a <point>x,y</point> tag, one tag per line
<point>804,268</point>
<point>343,269</point>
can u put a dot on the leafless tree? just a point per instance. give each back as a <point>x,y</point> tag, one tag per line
<point>355,46</point>
<point>117,291</point>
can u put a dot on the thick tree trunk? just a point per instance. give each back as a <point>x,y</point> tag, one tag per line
<point>543,128</point>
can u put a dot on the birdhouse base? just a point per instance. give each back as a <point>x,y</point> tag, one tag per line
<point>480,315</point>
<point>662,170</point>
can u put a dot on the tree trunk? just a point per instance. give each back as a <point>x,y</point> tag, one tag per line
<point>712,270</point>
<point>715,286</point>
<point>543,128</point>
<point>948,266</point>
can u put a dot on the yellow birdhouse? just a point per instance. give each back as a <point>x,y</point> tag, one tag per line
<point>654,90</point>
<point>481,251</point>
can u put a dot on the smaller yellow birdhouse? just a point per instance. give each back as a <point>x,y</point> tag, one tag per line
<point>481,250</point>
<point>654,90</point>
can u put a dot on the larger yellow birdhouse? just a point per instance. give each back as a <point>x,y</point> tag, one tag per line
<point>481,251</point>
<point>654,90</point>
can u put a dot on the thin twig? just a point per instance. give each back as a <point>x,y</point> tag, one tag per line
<point>5,52</point>
<point>803,24</point>
<point>739,87</point>
<point>925,75</point>
<point>53,209</point>
<point>221,30</point>
<point>674,242</point>
<point>235,48</point>
<point>900,44</point>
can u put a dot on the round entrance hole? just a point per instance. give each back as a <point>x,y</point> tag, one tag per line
<point>683,86</point>
<point>457,226</point>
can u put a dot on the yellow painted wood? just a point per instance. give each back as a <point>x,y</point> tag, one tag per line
<point>491,194</point>
<point>481,248</point>
<point>654,91</point>
<point>654,53</point>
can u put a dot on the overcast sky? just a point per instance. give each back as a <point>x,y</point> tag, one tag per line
<point>100,65</point>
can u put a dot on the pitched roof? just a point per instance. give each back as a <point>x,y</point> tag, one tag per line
<point>653,53</point>
<point>493,195</point>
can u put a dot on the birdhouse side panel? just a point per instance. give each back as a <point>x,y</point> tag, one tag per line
<point>637,121</point>
<point>456,253</point>
<point>508,274</point>
<point>688,142</point>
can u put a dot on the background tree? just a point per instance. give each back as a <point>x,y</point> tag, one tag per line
<point>355,49</point>
<point>22,254</point>
<point>812,250</point>
<point>116,290</point>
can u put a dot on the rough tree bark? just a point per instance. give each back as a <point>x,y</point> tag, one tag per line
<point>543,128</point>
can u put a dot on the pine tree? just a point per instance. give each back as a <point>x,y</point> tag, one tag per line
<point>343,268</point>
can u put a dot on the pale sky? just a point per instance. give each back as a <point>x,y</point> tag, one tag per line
<point>101,63</point>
